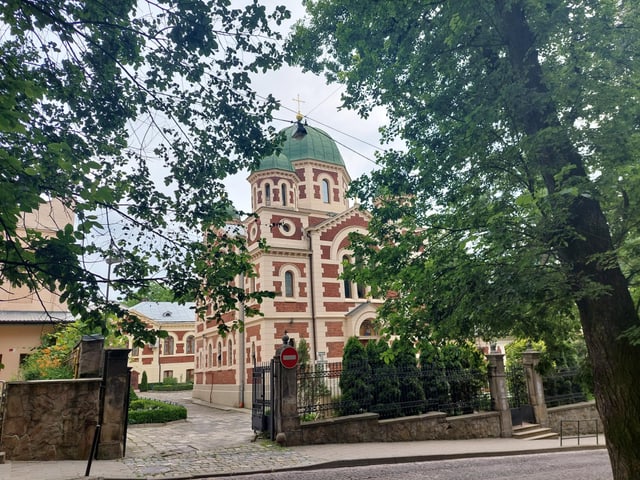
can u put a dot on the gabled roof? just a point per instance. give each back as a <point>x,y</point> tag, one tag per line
<point>18,317</point>
<point>168,312</point>
<point>339,218</point>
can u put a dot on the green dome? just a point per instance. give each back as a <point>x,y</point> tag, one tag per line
<point>314,145</point>
<point>276,162</point>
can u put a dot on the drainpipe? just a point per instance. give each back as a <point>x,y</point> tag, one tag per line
<point>241,349</point>
<point>314,343</point>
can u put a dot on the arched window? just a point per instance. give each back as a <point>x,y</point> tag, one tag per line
<point>366,329</point>
<point>348,292</point>
<point>210,356</point>
<point>283,192</point>
<point>267,194</point>
<point>168,346</point>
<point>191,345</point>
<point>325,191</point>
<point>288,284</point>
<point>219,356</point>
<point>230,354</point>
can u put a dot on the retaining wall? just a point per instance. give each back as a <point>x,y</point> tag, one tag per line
<point>367,427</point>
<point>50,419</point>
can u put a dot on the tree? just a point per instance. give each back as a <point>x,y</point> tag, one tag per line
<point>152,292</point>
<point>355,379</point>
<point>516,199</point>
<point>99,98</point>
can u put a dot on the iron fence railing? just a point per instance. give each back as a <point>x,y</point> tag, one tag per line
<point>517,391</point>
<point>564,387</point>
<point>329,390</point>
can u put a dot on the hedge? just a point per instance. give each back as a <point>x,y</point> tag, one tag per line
<point>164,387</point>
<point>144,410</point>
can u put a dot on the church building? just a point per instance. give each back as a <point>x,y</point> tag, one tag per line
<point>299,196</point>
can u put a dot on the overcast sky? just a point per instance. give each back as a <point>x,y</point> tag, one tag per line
<point>320,106</point>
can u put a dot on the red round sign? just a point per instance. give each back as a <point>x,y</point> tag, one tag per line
<point>289,357</point>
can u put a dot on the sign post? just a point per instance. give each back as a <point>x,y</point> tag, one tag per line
<point>289,357</point>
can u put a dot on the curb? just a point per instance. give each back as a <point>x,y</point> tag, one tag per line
<point>363,462</point>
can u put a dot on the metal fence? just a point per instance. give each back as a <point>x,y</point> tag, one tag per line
<point>330,389</point>
<point>564,387</point>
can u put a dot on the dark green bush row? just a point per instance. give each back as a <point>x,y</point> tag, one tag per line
<point>144,410</point>
<point>164,387</point>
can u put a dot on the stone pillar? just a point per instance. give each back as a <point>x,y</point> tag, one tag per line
<point>286,420</point>
<point>530,360</point>
<point>89,353</point>
<point>498,388</point>
<point>114,403</point>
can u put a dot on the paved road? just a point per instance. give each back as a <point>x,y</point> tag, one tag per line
<point>592,465</point>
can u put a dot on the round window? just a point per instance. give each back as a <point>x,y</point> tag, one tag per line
<point>286,227</point>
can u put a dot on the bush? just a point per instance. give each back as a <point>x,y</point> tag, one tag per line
<point>144,410</point>
<point>144,383</point>
<point>170,387</point>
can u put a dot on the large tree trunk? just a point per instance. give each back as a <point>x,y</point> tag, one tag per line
<point>607,311</point>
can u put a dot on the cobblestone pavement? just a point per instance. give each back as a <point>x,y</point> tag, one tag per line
<point>211,441</point>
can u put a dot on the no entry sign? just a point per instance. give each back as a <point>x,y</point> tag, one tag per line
<point>289,357</point>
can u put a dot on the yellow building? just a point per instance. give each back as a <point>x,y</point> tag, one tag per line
<point>170,357</point>
<point>26,316</point>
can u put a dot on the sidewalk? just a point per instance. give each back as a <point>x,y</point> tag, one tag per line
<point>217,442</point>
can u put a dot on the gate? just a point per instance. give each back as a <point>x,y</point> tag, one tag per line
<point>518,394</point>
<point>3,403</point>
<point>262,399</point>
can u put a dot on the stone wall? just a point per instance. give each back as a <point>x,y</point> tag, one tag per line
<point>585,412</point>
<point>50,419</point>
<point>367,427</point>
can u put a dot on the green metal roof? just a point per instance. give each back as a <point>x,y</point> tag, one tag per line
<point>276,162</point>
<point>315,145</point>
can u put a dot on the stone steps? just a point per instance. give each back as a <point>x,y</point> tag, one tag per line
<point>533,431</point>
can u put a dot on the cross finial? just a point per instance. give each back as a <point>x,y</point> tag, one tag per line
<point>298,115</point>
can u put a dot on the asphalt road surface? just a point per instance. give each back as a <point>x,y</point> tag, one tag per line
<point>588,465</point>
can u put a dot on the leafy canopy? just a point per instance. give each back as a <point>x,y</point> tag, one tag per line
<point>476,216</point>
<point>131,113</point>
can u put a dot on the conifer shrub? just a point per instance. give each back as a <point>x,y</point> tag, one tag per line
<point>355,379</point>
<point>144,383</point>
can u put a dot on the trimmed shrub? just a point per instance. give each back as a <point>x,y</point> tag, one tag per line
<point>170,387</point>
<point>355,379</point>
<point>144,383</point>
<point>144,410</point>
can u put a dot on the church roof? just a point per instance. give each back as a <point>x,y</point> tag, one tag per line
<point>166,311</point>
<point>303,142</point>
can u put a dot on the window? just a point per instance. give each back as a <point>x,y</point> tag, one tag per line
<point>190,375</point>
<point>283,191</point>
<point>230,348</point>
<point>267,194</point>
<point>168,346</point>
<point>219,357</point>
<point>135,351</point>
<point>366,329</point>
<point>191,345</point>
<point>325,191</point>
<point>210,356</point>
<point>348,293</point>
<point>288,284</point>
<point>167,374</point>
